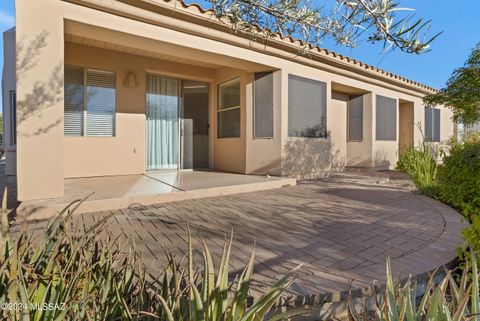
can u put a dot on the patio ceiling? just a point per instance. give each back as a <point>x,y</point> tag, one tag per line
<point>90,35</point>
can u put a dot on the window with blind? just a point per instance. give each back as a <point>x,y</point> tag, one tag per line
<point>13,117</point>
<point>307,115</point>
<point>228,112</point>
<point>263,105</point>
<point>386,118</point>
<point>355,118</point>
<point>89,102</point>
<point>432,124</point>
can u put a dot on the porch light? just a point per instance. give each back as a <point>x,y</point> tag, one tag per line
<point>130,81</point>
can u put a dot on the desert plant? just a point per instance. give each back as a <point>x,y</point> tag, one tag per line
<point>73,274</point>
<point>459,179</point>
<point>449,299</point>
<point>421,165</point>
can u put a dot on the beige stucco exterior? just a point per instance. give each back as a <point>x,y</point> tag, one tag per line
<point>147,37</point>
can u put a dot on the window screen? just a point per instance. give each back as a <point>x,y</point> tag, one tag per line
<point>89,102</point>
<point>74,101</point>
<point>100,103</point>
<point>263,105</point>
<point>432,124</point>
<point>307,114</point>
<point>355,118</point>
<point>228,115</point>
<point>386,118</point>
<point>13,117</point>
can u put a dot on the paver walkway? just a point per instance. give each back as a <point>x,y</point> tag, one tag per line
<point>341,229</point>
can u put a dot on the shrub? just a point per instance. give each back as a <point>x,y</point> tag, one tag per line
<point>459,179</point>
<point>67,275</point>
<point>448,300</point>
<point>421,165</point>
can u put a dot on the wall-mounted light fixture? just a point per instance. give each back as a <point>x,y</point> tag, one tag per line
<point>130,80</point>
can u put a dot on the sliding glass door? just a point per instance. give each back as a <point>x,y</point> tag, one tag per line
<point>163,138</point>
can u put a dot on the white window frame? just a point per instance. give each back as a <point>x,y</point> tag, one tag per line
<point>219,110</point>
<point>85,106</point>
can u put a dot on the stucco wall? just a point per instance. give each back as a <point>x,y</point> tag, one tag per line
<point>264,154</point>
<point>359,153</point>
<point>337,124</point>
<point>229,153</point>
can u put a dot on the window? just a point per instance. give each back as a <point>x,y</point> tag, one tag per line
<point>432,124</point>
<point>89,102</point>
<point>386,118</point>
<point>355,118</point>
<point>263,105</point>
<point>228,114</point>
<point>13,117</point>
<point>307,113</point>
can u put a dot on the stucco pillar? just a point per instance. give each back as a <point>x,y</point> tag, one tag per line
<point>39,99</point>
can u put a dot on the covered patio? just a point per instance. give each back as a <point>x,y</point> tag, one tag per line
<point>106,193</point>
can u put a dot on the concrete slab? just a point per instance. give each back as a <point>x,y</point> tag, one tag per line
<point>116,192</point>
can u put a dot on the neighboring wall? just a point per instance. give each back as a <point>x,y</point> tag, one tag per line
<point>124,153</point>
<point>8,85</point>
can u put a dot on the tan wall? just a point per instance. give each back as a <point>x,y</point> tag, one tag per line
<point>229,153</point>
<point>264,154</point>
<point>124,153</point>
<point>8,85</point>
<point>359,154</point>
<point>337,124</point>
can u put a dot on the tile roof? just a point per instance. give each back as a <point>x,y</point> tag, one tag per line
<point>196,9</point>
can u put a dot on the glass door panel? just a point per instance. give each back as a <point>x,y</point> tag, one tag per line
<point>162,123</point>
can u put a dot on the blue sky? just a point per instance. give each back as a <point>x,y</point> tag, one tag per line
<point>459,20</point>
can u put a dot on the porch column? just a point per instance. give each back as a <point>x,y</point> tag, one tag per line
<point>39,99</point>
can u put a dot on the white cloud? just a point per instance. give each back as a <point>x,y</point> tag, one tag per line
<point>7,20</point>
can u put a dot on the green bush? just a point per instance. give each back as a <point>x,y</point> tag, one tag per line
<point>70,274</point>
<point>421,165</point>
<point>459,179</point>
<point>449,299</point>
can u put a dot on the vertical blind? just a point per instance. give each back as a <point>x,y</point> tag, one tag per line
<point>386,118</point>
<point>263,105</point>
<point>307,113</point>
<point>228,115</point>
<point>432,124</point>
<point>355,118</point>
<point>89,102</point>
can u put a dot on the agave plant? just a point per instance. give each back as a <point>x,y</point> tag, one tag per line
<point>186,294</point>
<point>71,274</point>
<point>448,300</point>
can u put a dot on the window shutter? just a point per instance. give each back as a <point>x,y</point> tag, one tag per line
<point>100,103</point>
<point>307,114</point>
<point>74,101</point>
<point>436,125</point>
<point>428,124</point>
<point>386,118</point>
<point>355,118</point>
<point>263,105</point>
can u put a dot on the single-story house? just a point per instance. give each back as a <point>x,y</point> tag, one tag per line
<point>125,87</point>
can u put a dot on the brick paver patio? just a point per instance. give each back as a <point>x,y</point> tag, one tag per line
<point>341,229</point>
